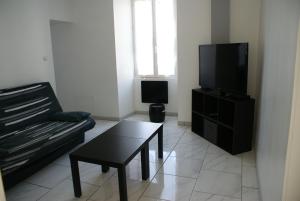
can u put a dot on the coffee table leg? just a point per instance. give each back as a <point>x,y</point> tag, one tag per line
<point>105,168</point>
<point>145,162</point>
<point>160,142</point>
<point>75,177</point>
<point>122,183</point>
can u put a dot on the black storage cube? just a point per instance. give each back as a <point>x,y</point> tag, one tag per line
<point>211,131</point>
<point>157,113</point>
<point>225,120</point>
<point>197,124</point>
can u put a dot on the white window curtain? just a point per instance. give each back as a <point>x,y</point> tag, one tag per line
<point>155,37</point>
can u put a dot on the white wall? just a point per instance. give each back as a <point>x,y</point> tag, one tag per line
<point>85,59</point>
<point>124,56</point>
<point>220,21</point>
<point>95,53</point>
<point>59,10</point>
<point>292,177</point>
<point>25,42</point>
<point>280,20</point>
<point>194,28</point>
<point>171,107</point>
<point>245,27</point>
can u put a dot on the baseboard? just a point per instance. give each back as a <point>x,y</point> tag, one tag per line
<point>141,112</point>
<point>112,118</point>
<point>128,115</point>
<point>184,123</point>
<point>173,114</point>
<point>106,118</point>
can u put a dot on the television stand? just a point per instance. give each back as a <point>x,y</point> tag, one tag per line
<point>157,112</point>
<point>226,121</point>
<point>221,93</point>
<point>236,96</point>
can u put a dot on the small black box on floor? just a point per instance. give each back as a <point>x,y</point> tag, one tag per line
<point>157,113</point>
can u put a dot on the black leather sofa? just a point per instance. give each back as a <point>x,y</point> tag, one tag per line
<point>29,137</point>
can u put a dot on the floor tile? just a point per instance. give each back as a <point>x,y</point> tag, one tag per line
<point>149,199</point>
<point>139,117</point>
<point>110,190</point>
<point>25,192</point>
<point>219,183</point>
<point>250,194</point>
<point>170,134</point>
<point>193,151</point>
<point>249,158</point>
<point>100,127</point>
<point>50,176</point>
<point>169,187</point>
<point>192,139</point>
<point>134,170</point>
<point>198,196</point>
<point>65,192</point>
<point>249,178</point>
<point>171,120</point>
<point>172,123</point>
<point>92,174</point>
<point>153,154</point>
<point>213,149</point>
<point>182,167</point>
<point>168,141</point>
<point>63,160</point>
<point>174,131</point>
<point>223,162</point>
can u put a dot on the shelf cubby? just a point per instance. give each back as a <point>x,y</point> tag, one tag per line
<point>210,131</point>
<point>211,107</point>
<point>225,138</point>
<point>197,102</point>
<point>197,122</point>
<point>226,112</point>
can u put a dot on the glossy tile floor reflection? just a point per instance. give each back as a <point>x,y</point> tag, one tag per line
<point>192,169</point>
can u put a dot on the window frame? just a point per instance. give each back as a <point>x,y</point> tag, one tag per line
<point>155,63</point>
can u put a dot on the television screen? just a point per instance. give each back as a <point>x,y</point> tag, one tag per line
<point>154,91</point>
<point>224,67</point>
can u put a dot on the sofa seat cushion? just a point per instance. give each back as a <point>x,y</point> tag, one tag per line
<point>19,147</point>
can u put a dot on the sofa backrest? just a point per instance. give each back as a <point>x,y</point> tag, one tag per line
<point>26,105</point>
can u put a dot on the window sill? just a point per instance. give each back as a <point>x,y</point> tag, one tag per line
<point>172,77</point>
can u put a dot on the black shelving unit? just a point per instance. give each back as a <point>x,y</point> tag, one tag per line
<point>226,121</point>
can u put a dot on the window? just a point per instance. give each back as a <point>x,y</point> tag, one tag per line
<point>155,37</point>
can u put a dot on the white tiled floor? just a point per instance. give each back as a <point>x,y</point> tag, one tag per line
<point>192,169</point>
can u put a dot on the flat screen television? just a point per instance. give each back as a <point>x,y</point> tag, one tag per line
<point>154,91</point>
<point>224,67</point>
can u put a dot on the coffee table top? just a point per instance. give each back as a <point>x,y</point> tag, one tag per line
<point>134,129</point>
<point>118,145</point>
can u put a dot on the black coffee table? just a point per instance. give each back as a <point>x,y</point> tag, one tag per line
<point>116,148</point>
